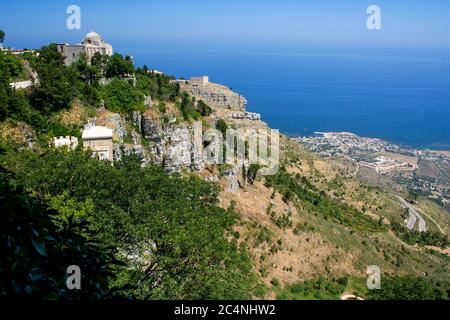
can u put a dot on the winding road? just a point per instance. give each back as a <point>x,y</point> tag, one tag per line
<point>413,216</point>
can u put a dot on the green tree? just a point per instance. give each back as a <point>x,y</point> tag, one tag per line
<point>188,108</point>
<point>203,108</point>
<point>36,251</point>
<point>177,238</point>
<point>2,36</point>
<point>55,91</point>
<point>100,62</point>
<point>11,101</point>
<point>121,96</point>
<point>10,65</point>
<point>117,66</point>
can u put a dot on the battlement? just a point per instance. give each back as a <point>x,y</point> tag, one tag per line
<point>71,142</point>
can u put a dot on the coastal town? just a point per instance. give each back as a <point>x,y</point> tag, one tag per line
<point>425,172</point>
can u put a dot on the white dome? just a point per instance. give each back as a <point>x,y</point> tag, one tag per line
<point>92,37</point>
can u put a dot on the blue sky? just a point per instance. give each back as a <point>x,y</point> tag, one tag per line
<point>420,23</point>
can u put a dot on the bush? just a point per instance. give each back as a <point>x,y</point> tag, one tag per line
<point>274,282</point>
<point>120,96</point>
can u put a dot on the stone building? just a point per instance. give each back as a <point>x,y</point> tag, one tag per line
<point>100,141</point>
<point>91,44</point>
<point>199,81</point>
<point>216,95</point>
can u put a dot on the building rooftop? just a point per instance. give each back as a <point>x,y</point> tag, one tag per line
<point>97,132</point>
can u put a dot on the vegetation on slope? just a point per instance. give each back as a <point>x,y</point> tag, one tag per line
<point>298,189</point>
<point>411,288</point>
<point>38,246</point>
<point>153,235</point>
<point>173,238</point>
<point>411,237</point>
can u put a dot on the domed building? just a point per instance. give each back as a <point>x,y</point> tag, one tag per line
<point>91,44</point>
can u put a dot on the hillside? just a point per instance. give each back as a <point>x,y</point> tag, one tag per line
<point>181,226</point>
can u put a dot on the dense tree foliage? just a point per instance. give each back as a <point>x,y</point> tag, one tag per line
<point>57,82</point>
<point>12,103</point>
<point>38,245</point>
<point>118,66</point>
<point>410,288</point>
<point>316,289</point>
<point>122,97</point>
<point>188,108</point>
<point>192,109</point>
<point>2,36</point>
<point>175,239</point>
<point>222,126</point>
<point>10,65</point>
<point>203,108</point>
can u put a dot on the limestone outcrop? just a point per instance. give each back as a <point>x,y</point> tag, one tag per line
<point>215,95</point>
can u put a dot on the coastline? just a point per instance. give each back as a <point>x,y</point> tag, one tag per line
<point>428,148</point>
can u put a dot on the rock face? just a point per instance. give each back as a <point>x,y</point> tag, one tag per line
<point>170,144</point>
<point>110,120</point>
<point>136,116</point>
<point>245,116</point>
<point>178,148</point>
<point>235,177</point>
<point>148,102</point>
<point>151,129</point>
<point>137,150</point>
<point>118,125</point>
<point>215,95</point>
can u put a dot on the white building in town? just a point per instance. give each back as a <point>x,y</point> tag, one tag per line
<point>91,44</point>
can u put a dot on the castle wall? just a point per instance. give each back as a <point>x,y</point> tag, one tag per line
<point>215,95</point>
<point>103,147</point>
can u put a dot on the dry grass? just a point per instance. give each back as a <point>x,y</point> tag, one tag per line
<point>75,116</point>
<point>16,133</point>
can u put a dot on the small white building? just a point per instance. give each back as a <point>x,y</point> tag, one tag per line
<point>21,84</point>
<point>91,44</point>
<point>100,141</point>
<point>71,142</point>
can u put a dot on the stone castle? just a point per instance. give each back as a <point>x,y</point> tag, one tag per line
<point>215,95</point>
<point>91,44</point>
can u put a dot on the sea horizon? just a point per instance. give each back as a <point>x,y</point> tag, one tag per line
<point>400,95</point>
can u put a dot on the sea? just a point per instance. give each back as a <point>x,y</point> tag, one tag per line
<point>400,94</point>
